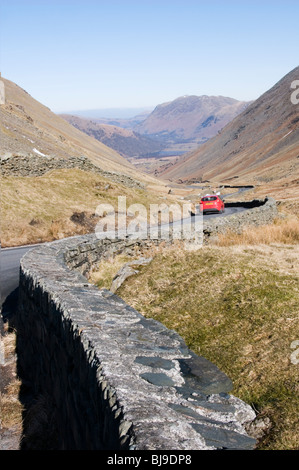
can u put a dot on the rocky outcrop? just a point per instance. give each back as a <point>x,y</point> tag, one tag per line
<point>128,269</point>
<point>108,378</point>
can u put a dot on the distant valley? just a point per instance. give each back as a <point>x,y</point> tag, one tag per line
<point>212,138</point>
<point>170,130</point>
<point>260,146</point>
<point>125,141</point>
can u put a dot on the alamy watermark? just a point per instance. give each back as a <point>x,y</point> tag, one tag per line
<point>295,93</point>
<point>2,352</point>
<point>295,354</point>
<point>161,221</point>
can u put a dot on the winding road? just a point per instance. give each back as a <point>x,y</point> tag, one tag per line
<point>10,259</point>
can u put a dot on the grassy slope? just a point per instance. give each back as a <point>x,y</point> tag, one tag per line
<point>36,209</point>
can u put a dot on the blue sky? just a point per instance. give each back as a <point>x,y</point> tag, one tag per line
<point>73,55</point>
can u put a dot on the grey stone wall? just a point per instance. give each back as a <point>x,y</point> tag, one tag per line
<point>107,377</point>
<point>29,164</point>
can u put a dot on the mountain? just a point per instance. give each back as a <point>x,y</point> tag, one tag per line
<point>259,145</point>
<point>125,141</point>
<point>27,126</point>
<point>190,120</point>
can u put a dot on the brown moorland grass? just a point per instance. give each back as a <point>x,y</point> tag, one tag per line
<point>281,231</point>
<point>40,209</point>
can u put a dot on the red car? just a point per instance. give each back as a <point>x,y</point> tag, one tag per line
<point>212,203</point>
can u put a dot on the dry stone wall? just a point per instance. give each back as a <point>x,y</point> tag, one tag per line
<point>108,378</point>
<point>30,164</point>
<point>260,212</point>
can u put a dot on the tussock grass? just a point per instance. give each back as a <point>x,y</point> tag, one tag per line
<point>10,407</point>
<point>282,231</point>
<point>233,308</point>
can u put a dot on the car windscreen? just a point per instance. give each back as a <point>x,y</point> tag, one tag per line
<point>210,198</point>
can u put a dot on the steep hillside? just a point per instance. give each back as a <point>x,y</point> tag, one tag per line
<point>125,141</point>
<point>190,119</point>
<point>260,146</point>
<point>53,176</point>
<point>27,126</point>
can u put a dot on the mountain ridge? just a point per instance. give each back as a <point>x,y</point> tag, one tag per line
<point>195,118</point>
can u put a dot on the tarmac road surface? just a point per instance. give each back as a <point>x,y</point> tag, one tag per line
<point>9,269</point>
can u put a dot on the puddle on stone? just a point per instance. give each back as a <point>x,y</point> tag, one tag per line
<point>155,361</point>
<point>159,379</point>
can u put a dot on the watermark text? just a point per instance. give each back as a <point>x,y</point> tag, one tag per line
<point>295,354</point>
<point>2,352</point>
<point>160,221</point>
